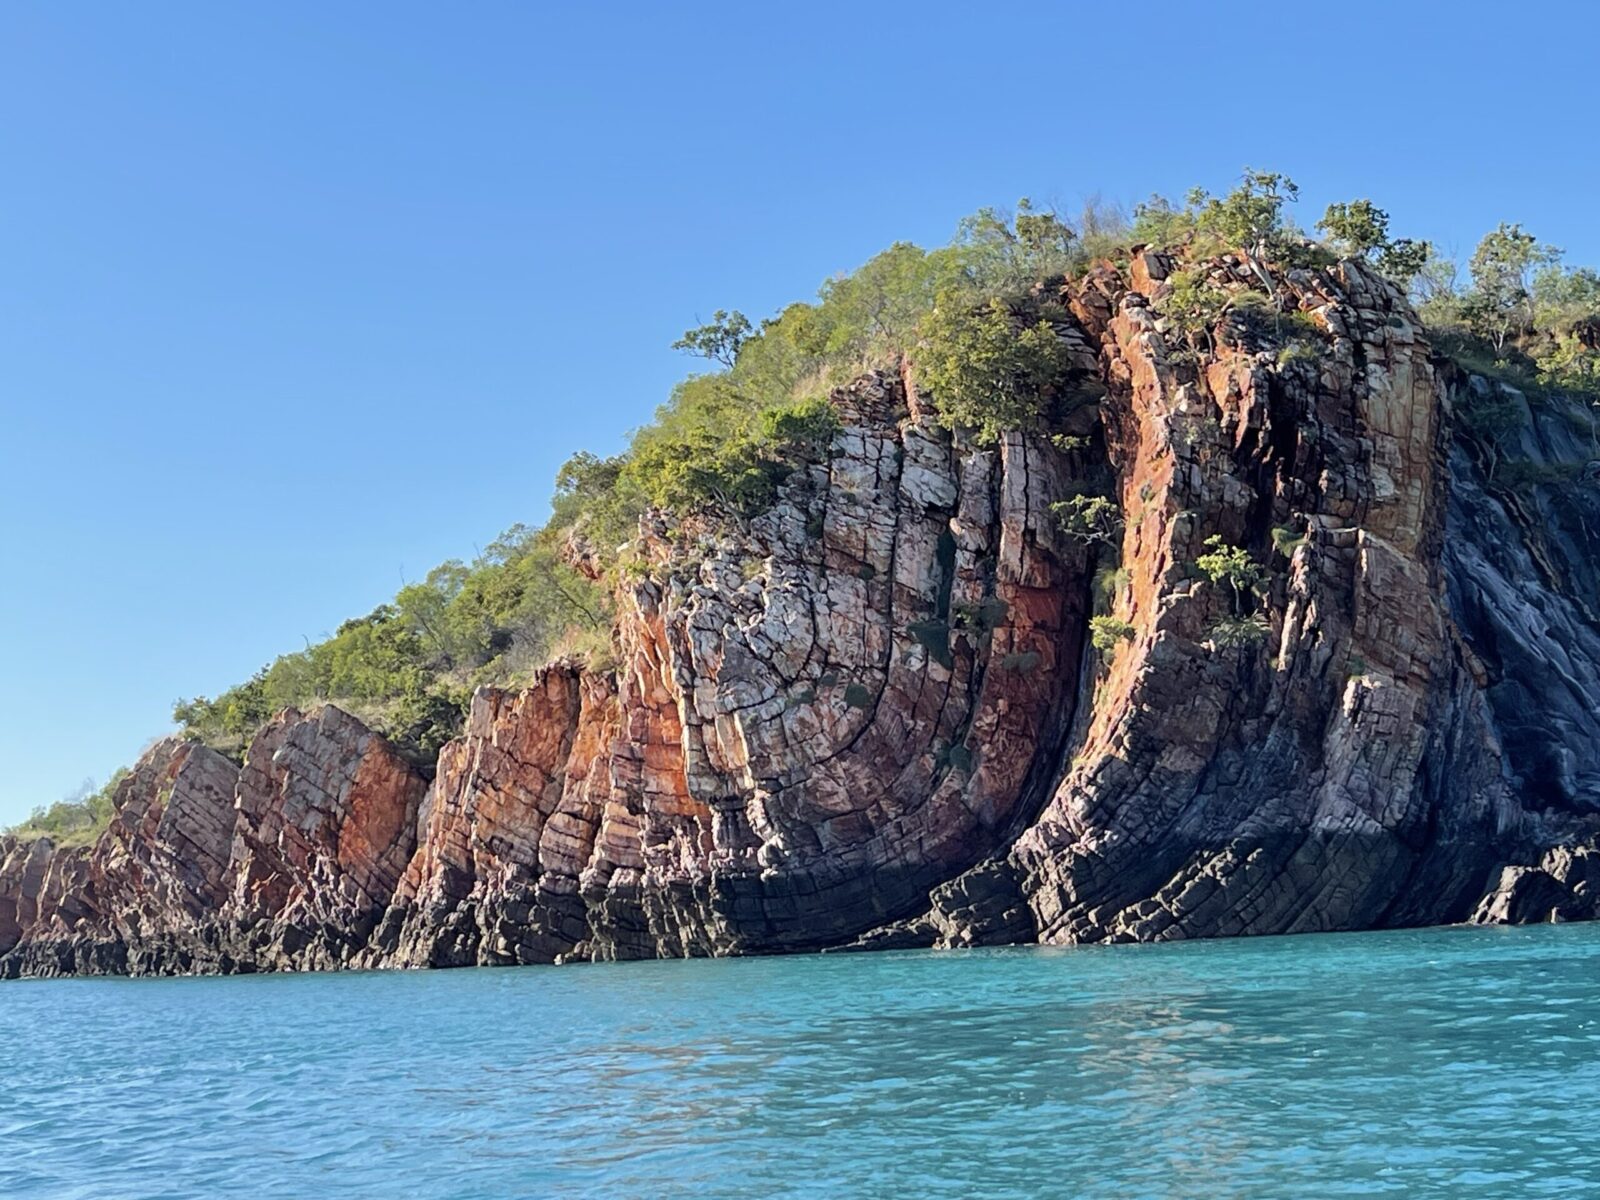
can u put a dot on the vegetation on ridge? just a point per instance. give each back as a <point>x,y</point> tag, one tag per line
<point>77,820</point>
<point>726,438</point>
<point>980,332</point>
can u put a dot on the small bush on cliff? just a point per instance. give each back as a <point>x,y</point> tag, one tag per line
<point>1286,539</point>
<point>1228,633</point>
<point>1569,362</point>
<point>1107,633</point>
<point>425,718</point>
<point>1232,565</point>
<point>1249,218</point>
<point>1092,520</point>
<point>1224,563</point>
<point>1194,305</point>
<point>229,721</point>
<point>1360,229</point>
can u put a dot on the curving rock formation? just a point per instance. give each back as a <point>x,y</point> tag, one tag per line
<point>872,716</point>
<point>1339,776</point>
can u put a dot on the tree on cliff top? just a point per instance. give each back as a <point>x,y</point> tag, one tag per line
<point>1360,229</point>
<point>1502,278</point>
<point>1526,318</point>
<point>720,340</point>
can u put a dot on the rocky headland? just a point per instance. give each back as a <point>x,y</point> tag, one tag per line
<point>880,713</point>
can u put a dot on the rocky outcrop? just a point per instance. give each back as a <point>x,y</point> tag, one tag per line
<point>837,709</point>
<point>1563,886</point>
<point>507,830</point>
<point>23,869</point>
<point>285,865</point>
<point>1340,773</point>
<point>326,818</point>
<point>872,717</point>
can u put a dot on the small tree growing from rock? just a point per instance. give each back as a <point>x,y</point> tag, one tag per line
<point>1246,578</point>
<point>1230,564</point>
<point>1107,633</point>
<point>1092,520</point>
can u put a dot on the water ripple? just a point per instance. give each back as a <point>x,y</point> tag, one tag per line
<point>1453,1063</point>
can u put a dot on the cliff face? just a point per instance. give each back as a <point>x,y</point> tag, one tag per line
<point>871,716</point>
<point>1343,773</point>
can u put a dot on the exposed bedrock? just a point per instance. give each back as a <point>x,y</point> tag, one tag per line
<point>1344,773</point>
<point>817,719</point>
<point>284,865</point>
<point>507,829</point>
<point>871,716</point>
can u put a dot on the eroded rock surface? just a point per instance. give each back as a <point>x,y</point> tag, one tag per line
<point>871,717</point>
<point>1339,775</point>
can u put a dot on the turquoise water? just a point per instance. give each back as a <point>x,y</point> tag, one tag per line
<point>1458,1062</point>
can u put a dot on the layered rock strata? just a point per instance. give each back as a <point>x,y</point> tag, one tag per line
<point>872,716</point>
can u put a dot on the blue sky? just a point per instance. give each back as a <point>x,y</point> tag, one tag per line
<point>298,300</point>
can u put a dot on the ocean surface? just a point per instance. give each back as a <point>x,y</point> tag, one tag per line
<point>1459,1062</point>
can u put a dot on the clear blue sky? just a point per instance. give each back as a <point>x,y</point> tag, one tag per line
<point>298,300</point>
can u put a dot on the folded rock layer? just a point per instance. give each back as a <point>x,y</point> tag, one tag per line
<point>872,716</point>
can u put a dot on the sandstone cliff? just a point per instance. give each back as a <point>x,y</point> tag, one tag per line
<point>873,716</point>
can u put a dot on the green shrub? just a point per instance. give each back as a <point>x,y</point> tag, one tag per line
<point>1286,539</point>
<point>1090,519</point>
<point>1568,363</point>
<point>426,718</point>
<point>1360,229</point>
<point>993,366</point>
<point>1298,352</point>
<point>1106,633</point>
<point>1226,563</point>
<point>1193,303</point>
<point>1227,633</point>
<point>79,820</point>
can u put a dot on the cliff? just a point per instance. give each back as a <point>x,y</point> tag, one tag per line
<point>874,715</point>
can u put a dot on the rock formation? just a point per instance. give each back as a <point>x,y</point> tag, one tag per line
<point>872,716</point>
